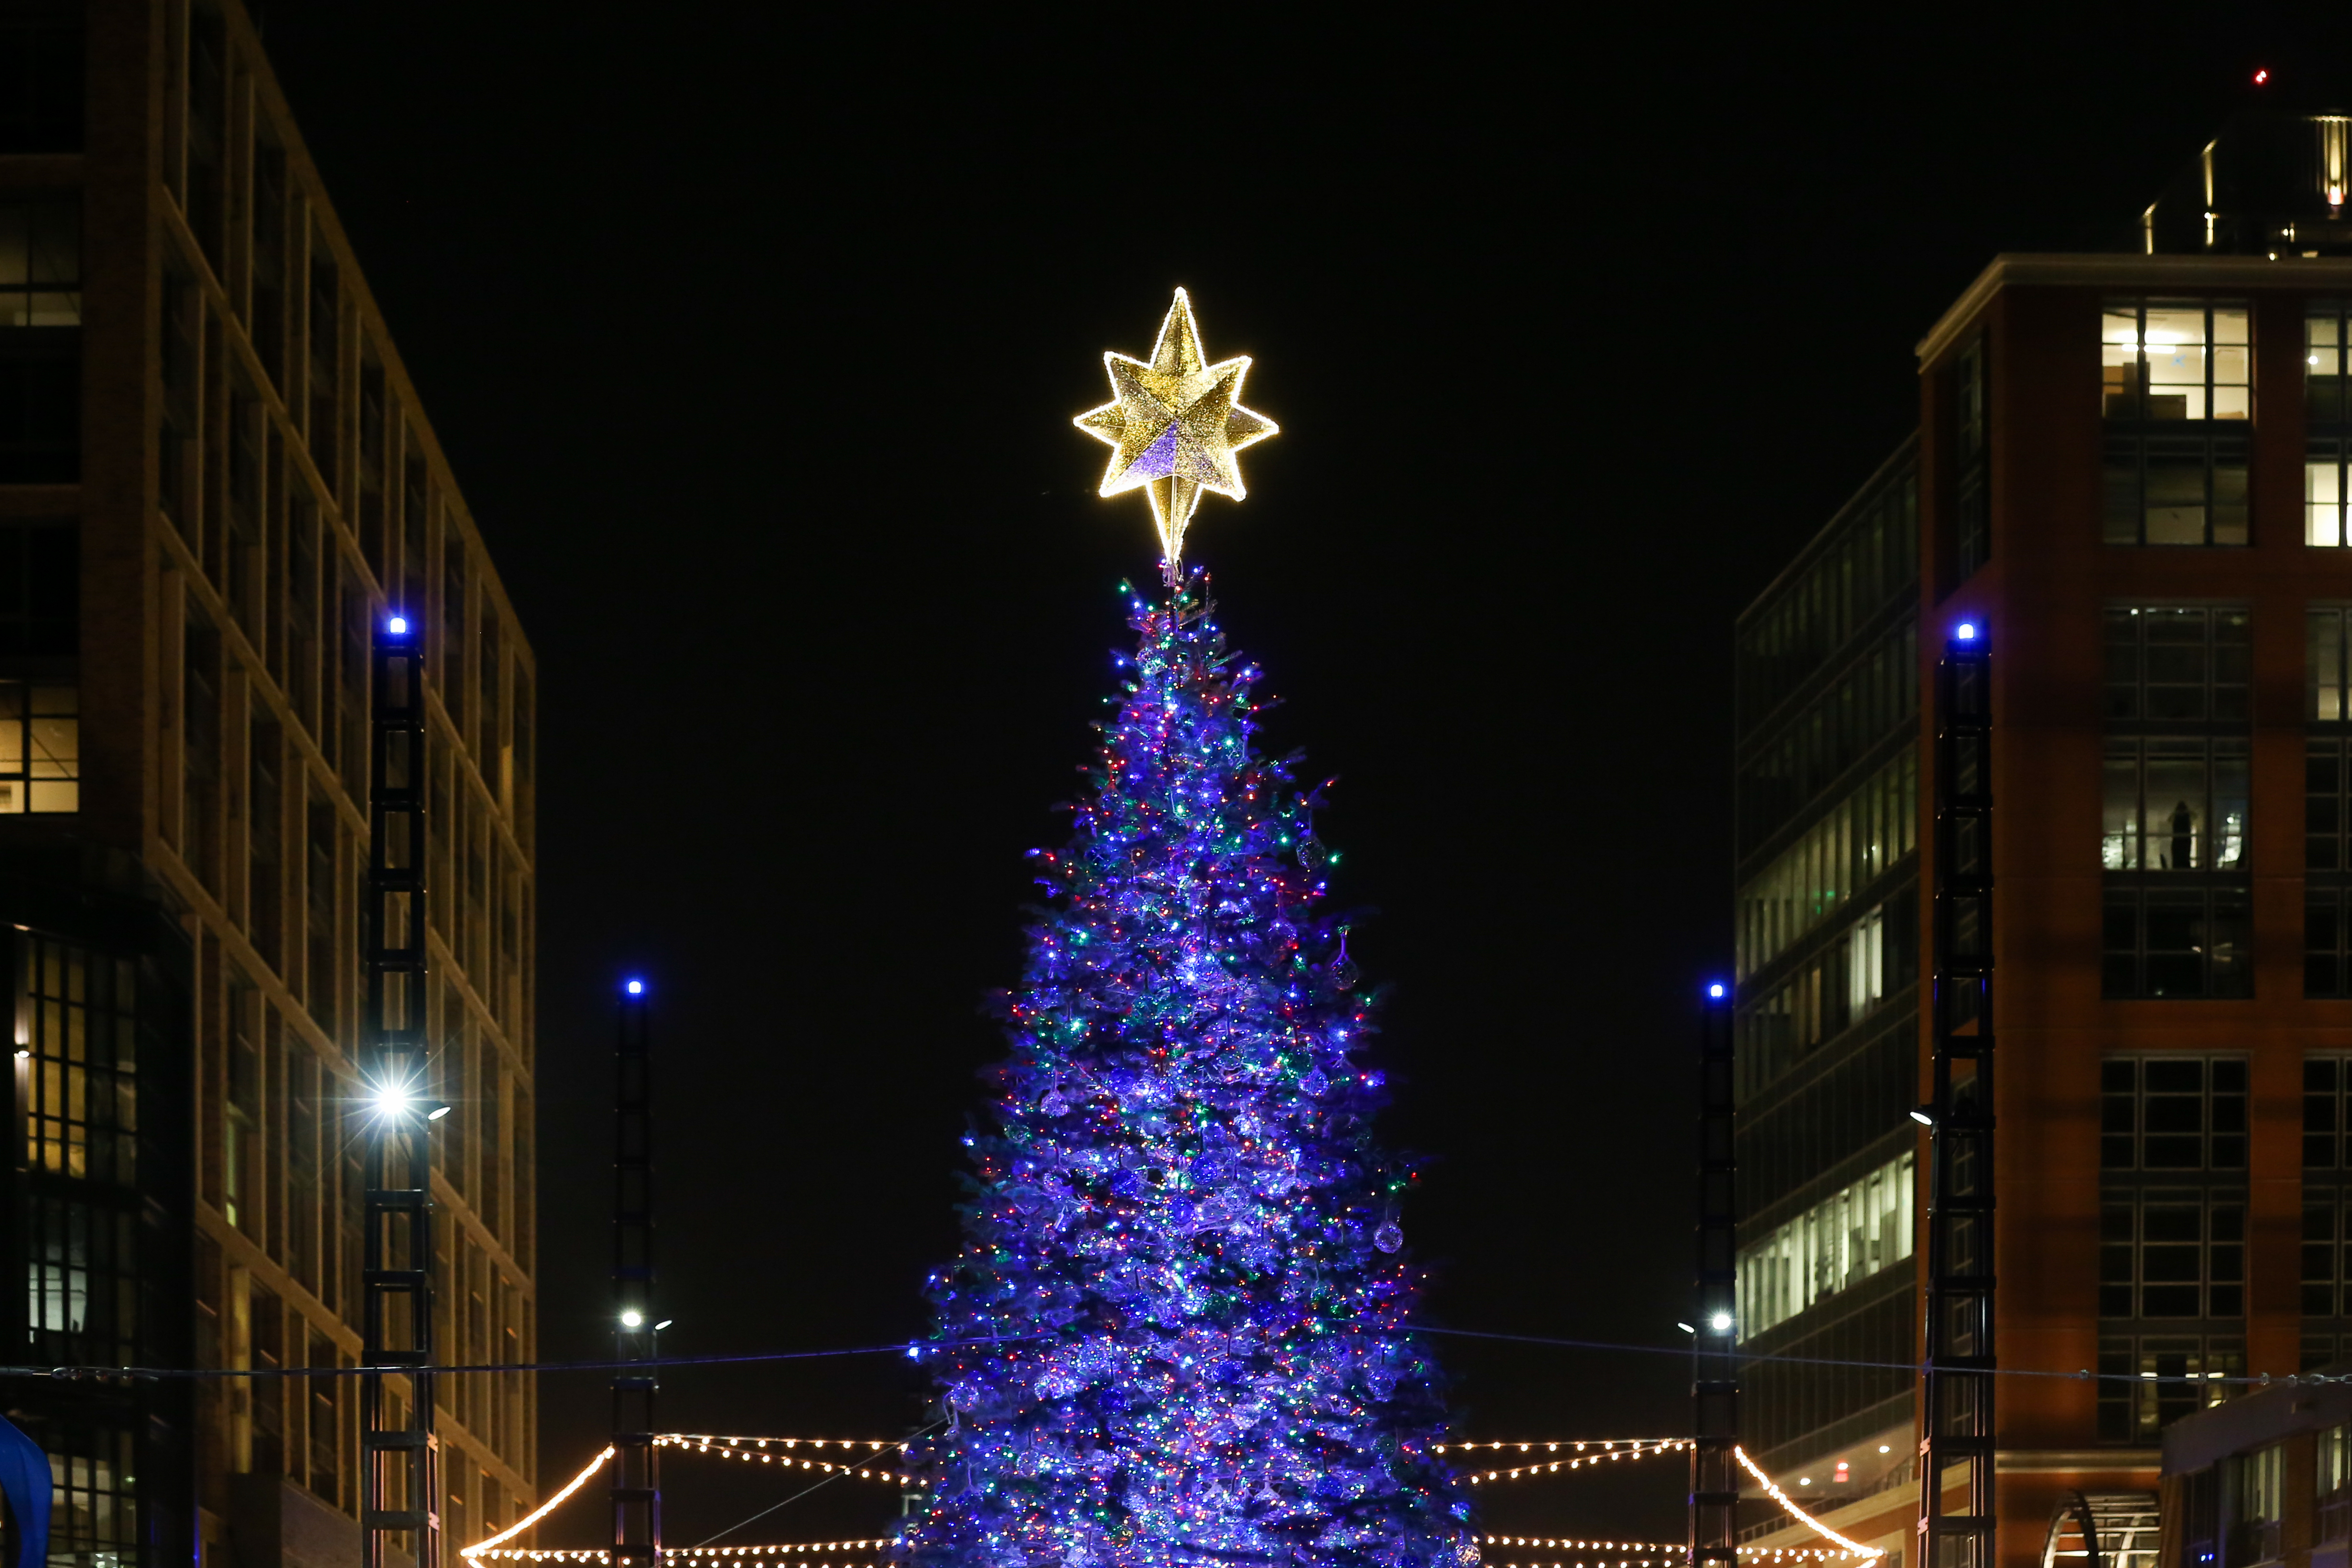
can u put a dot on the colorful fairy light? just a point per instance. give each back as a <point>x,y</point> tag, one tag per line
<point>1179,1215</point>
<point>1174,426</point>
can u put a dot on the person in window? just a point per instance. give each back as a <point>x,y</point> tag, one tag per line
<point>2184,834</point>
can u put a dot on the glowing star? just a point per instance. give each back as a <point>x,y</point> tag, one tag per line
<point>1174,426</point>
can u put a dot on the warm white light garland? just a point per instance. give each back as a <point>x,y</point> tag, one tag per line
<point>1554,1445</point>
<point>1788,1502</point>
<point>760,1454</point>
<point>1675,1550</point>
<point>731,1555</point>
<point>542,1510</point>
<point>1631,1449</point>
<point>699,1443</point>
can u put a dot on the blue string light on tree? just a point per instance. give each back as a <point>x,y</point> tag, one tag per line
<point>1180,1231</point>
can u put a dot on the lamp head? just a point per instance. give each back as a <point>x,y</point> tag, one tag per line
<point>632,1318</point>
<point>634,988</point>
<point>397,625</point>
<point>1966,632</point>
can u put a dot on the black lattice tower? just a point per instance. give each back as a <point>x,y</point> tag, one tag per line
<point>1715,1367</point>
<point>637,1463</point>
<point>1955,1449</point>
<point>400,1469</point>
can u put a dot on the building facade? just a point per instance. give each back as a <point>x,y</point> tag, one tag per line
<point>215,480</point>
<point>2130,480</point>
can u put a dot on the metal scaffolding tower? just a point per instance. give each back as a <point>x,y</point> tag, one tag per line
<point>1956,1451</point>
<point>1715,1367</point>
<point>400,1458</point>
<point>637,1463</point>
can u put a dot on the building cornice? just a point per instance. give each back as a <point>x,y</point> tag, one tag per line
<point>2129,272</point>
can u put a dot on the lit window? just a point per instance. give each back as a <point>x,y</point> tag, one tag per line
<point>2187,360</point>
<point>2325,487</point>
<point>1844,1239</point>
<point>40,747</point>
<point>2174,804</point>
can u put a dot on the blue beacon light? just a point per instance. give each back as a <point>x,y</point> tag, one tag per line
<point>1715,991</point>
<point>635,987</point>
<point>1966,632</point>
<point>397,625</point>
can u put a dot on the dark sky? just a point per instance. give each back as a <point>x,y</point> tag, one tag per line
<point>754,332</point>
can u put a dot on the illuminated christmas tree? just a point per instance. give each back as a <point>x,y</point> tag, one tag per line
<point>1177,1333</point>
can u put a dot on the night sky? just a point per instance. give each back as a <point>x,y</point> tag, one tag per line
<point>754,333</point>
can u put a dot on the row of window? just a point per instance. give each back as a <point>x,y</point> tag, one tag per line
<point>1838,1242</point>
<point>1809,750</point>
<point>1868,562</point>
<point>1847,981</point>
<point>1858,841</point>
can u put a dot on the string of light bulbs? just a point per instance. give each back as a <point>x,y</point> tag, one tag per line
<point>694,1443</point>
<point>877,1444</point>
<point>542,1510</point>
<point>1674,1549</point>
<point>1553,1445</point>
<point>769,1457</point>
<point>1636,1449</point>
<point>1772,1491</point>
<point>711,1553</point>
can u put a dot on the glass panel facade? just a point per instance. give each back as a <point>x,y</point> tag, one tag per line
<point>1853,844</point>
<point>1838,1242</point>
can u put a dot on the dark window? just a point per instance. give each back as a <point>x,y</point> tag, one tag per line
<point>40,589</point>
<point>265,835</point>
<point>2175,490</point>
<point>266,316</point>
<point>200,751</point>
<point>1971,462</point>
<point>451,675</point>
<point>2324,970</point>
<point>2172,1114</point>
<point>40,342</point>
<point>2177,942</point>
<point>1867,563</point>
<point>2324,1239</point>
<point>41,78</point>
<point>371,523</point>
<point>324,430</point>
<point>2172,1253</point>
<point>2167,662</point>
<point>208,133</point>
<point>2327,1080</point>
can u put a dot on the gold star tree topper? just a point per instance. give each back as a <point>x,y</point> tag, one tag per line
<point>1174,426</point>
